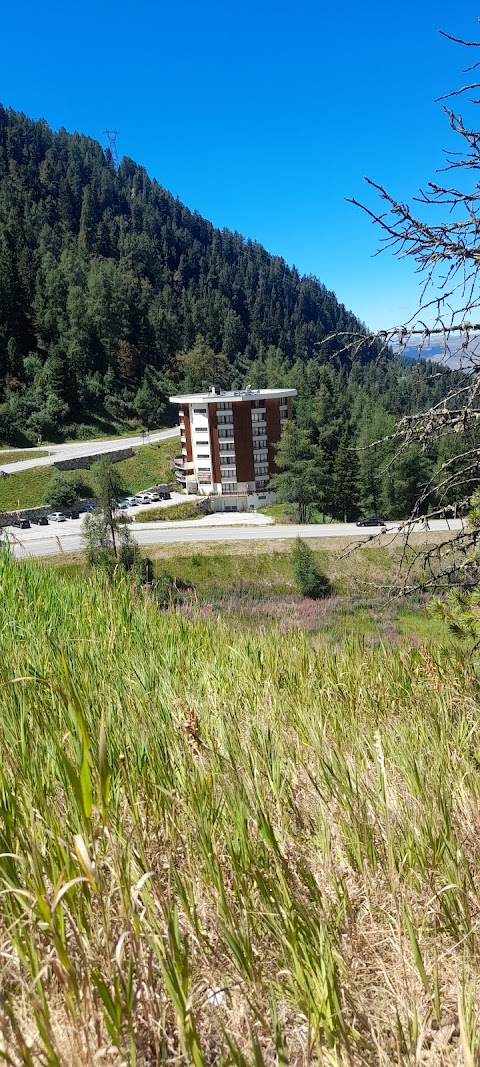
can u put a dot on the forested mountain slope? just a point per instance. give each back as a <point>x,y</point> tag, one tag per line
<point>111,291</point>
<point>103,273</point>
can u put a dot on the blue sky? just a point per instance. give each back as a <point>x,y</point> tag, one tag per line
<point>263,116</point>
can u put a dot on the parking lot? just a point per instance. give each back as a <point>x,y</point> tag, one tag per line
<point>74,524</point>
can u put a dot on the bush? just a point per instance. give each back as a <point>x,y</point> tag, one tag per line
<point>62,492</point>
<point>310,580</point>
<point>169,591</point>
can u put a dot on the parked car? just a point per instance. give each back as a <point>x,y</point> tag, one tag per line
<point>372,521</point>
<point>24,524</point>
<point>153,496</point>
<point>165,495</point>
<point>142,498</point>
<point>57,516</point>
<point>41,520</point>
<point>132,501</point>
<point>73,514</point>
<point>122,504</point>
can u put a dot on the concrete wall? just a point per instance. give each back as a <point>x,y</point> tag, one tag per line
<point>241,501</point>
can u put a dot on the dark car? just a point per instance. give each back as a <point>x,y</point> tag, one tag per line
<point>23,524</point>
<point>372,521</point>
<point>41,520</point>
<point>164,495</point>
<point>74,514</point>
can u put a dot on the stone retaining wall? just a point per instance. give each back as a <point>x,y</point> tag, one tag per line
<point>83,463</point>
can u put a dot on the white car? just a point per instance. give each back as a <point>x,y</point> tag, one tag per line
<point>153,496</point>
<point>142,498</point>
<point>57,516</point>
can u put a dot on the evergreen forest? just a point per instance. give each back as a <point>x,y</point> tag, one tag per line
<point>113,293</point>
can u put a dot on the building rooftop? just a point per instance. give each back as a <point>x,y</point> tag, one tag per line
<point>215,395</point>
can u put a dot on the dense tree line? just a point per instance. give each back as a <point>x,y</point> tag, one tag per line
<point>341,454</point>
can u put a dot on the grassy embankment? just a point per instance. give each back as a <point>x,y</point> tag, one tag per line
<point>173,513</point>
<point>287,513</point>
<point>7,456</point>
<point>148,465</point>
<point>228,847</point>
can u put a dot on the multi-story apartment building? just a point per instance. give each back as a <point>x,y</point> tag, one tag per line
<point>229,438</point>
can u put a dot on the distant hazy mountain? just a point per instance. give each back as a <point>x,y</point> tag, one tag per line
<point>457,354</point>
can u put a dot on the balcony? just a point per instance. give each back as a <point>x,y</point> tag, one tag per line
<point>182,468</point>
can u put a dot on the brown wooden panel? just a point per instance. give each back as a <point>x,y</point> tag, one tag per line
<point>273,432</point>
<point>212,420</point>
<point>188,433</point>
<point>242,433</point>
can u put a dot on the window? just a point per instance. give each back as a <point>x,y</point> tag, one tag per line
<point>227,461</point>
<point>258,403</point>
<point>229,487</point>
<point>257,416</point>
<point>224,406</point>
<point>203,455</point>
<point>200,411</point>
<point>227,446</point>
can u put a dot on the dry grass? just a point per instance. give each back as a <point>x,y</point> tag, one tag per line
<point>229,848</point>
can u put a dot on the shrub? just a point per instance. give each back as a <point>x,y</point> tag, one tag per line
<point>62,492</point>
<point>309,578</point>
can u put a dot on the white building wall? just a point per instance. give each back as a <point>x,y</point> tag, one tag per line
<point>201,446</point>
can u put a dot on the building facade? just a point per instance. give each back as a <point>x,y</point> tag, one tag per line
<point>229,439</point>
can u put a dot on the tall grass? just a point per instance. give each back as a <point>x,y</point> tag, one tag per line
<point>226,847</point>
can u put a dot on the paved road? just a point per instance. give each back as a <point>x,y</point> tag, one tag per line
<point>66,537</point>
<point>83,448</point>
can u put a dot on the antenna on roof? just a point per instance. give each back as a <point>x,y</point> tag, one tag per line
<point>111,136</point>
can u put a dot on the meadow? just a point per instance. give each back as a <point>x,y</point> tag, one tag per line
<point>222,846</point>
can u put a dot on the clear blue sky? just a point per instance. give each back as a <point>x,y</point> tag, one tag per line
<point>263,116</point>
